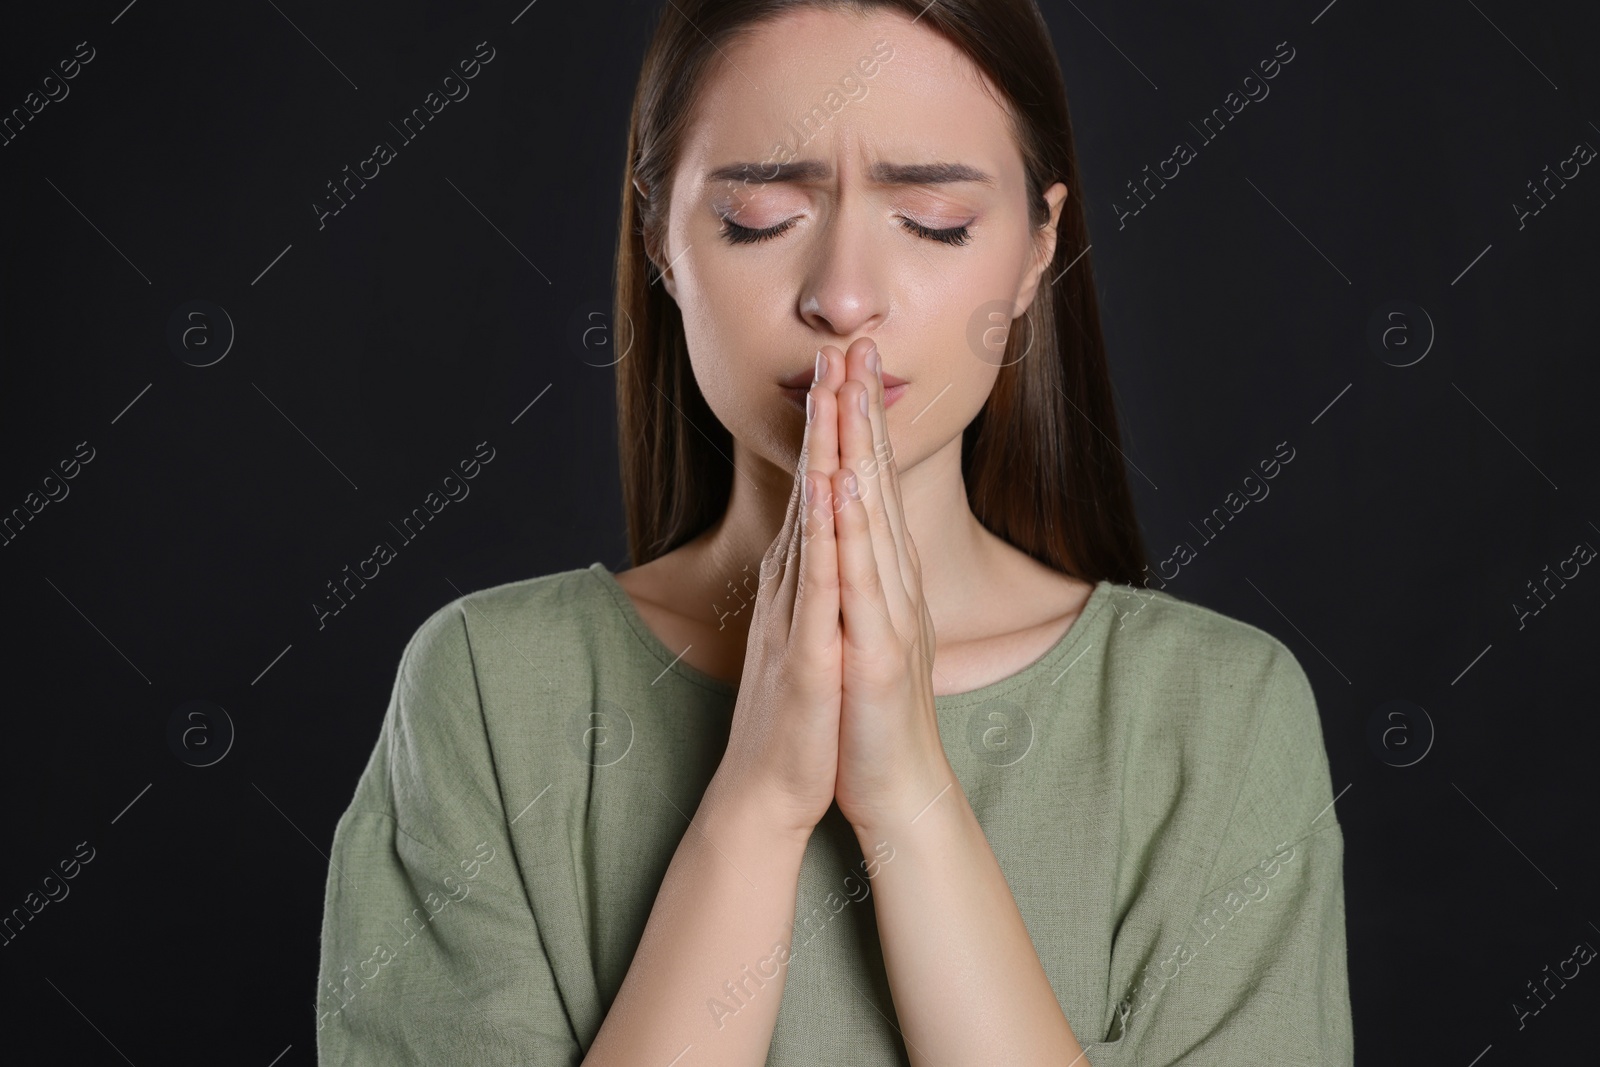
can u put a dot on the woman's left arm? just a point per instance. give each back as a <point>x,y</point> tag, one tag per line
<point>1270,986</point>
<point>967,983</point>
<point>1247,962</point>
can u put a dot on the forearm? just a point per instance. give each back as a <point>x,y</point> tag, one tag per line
<point>710,966</point>
<point>967,983</point>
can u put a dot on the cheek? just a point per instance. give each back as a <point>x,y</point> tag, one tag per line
<point>713,353</point>
<point>992,333</point>
<point>730,324</point>
<point>961,383</point>
<point>730,321</point>
<point>952,374</point>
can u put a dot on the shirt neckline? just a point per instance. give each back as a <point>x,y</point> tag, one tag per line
<point>1068,642</point>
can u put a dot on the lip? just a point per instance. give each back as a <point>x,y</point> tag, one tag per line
<point>891,393</point>
<point>802,379</point>
<point>795,386</point>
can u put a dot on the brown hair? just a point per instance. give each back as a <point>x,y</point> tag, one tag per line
<point>1040,460</point>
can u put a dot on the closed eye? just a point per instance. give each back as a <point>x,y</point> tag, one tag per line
<point>955,235</point>
<point>744,235</point>
<point>741,235</point>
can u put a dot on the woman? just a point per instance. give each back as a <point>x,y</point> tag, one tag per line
<point>636,818</point>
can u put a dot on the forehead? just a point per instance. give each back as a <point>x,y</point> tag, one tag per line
<point>818,82</point>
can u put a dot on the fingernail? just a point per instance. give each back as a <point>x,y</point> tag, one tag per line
<point>863,404</point>
<point>811,407</point>
<point>808,492</point>
<point>850,486</point>
<point>822,367</point>
<point>874,364</point>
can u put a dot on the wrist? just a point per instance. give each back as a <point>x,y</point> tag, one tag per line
<point>932,800</point>
<point>753,814</point>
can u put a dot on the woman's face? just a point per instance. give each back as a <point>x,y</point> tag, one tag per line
<point>860,245</point>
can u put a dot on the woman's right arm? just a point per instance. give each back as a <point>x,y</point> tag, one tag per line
<point>708,974</point>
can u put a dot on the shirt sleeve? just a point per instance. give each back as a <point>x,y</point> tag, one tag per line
<point>1258,974</point>
<point>430,953</point>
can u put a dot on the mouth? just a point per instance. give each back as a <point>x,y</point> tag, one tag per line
<point>891,393</point>
<point>798,384</point>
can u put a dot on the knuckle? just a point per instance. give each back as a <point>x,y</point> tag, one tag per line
<point>841,486</point>
<point>873,582</point>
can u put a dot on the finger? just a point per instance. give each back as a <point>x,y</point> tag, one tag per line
<point>820,453</point>
<point>888,471</point>
<point>815,623</point>
<point>822,431</point>
<point>861,589</point>
<point>860,434</point>
<point>778,579</point>
<point>825,456</point>
<point>778,566</point>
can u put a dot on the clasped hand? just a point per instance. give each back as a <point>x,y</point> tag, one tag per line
<point>891,763</point>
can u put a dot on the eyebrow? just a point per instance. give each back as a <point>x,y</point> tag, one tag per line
<point>812,170</point>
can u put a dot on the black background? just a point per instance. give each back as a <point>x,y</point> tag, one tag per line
<point>373,354</point>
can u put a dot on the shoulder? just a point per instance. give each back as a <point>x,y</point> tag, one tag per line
<point>1173,641</point>
<point>1222,695</point>
<point>436,769</point>
<point>477,658</point>
<point>526,605</point>
<point>1216,716</point>
<point>525,629</point>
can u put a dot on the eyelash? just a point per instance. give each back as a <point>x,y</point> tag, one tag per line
<point>743,235</point>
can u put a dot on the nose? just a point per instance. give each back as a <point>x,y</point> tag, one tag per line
<point>844,293</point>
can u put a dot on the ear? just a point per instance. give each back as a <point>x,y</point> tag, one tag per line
<point>668,282</point>
<point>653,251</point>
<point>1045,244</point>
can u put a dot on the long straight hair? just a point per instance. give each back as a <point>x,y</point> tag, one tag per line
<point>1040,460</point>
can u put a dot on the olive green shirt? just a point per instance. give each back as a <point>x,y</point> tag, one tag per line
<point>1155,788</point>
